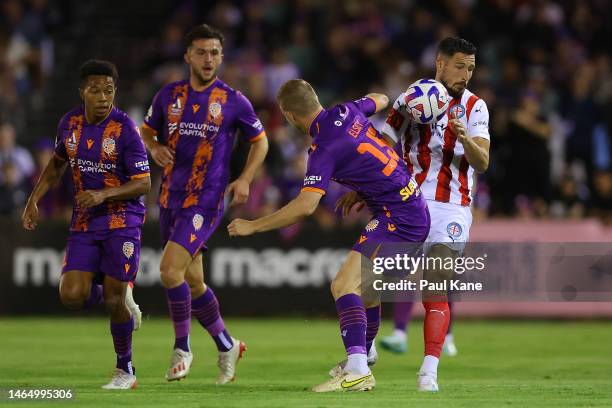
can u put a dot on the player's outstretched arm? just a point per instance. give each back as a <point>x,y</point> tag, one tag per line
<point>132,189</point>
<point>50,175</point>
<point>161,154</point>
<point>304,204</point>
<point>240,187</point>
<point>381,100</point>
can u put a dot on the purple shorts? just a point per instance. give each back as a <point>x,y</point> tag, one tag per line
<point>383,229</point>
<point>189,227</point>
<point>114,252</point>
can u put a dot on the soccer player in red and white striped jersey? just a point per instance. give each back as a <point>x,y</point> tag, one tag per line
<point>443,157</point>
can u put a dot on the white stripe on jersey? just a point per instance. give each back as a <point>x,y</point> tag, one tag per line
<point>432,152</point>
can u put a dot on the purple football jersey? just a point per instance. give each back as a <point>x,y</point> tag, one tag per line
<point>200,127</point>
<point>349,150</point>
<point>108,154</point>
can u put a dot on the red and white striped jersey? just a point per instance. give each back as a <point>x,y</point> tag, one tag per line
<point>432,152</point>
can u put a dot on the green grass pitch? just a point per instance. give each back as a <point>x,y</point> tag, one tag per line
<point>500,364</point>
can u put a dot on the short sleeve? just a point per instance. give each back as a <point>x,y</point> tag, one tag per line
<point>397,119</point>
<point>366,105</point>
<point>60,147</point>
<point>135,158</point>
<point>155,115</point>
<point>248,122</point>
<point>478,123</point>
<point>319,171</point>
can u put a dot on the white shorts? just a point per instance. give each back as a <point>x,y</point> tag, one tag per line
<point>450,225</point>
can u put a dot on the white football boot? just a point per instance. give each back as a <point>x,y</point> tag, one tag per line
<point>227,362</point>
<point>346,381</point>
<point>338,369</point>
<point>427,382</point>
<point>179,365</point>
<point>121,381</point>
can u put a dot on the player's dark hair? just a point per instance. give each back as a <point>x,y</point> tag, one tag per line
<point>98,67</point>
<point>452,45</point>
<point>203,32</point>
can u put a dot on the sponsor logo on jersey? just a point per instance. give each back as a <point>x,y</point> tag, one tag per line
<point>311,180</point>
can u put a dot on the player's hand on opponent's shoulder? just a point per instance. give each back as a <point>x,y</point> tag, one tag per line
<point>29,218</point>
<point>240,228</point>
<point>90,198</point>
<point>240,190</point>
<point>347,201</point>
<point>162,155</point>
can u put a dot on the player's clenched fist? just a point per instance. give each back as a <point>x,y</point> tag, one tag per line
<point>458,128</point>
<point>90,198</point>
<point>240,228</point>
<point>162,155</point>
<point>348,201</point>
<point>29,219</point>
<point>240,190</point>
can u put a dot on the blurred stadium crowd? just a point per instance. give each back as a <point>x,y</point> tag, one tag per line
<point>543,67</point>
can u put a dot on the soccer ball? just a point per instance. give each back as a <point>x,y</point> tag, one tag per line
<point>427,101</point>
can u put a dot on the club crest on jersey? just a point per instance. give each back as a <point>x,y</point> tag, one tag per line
<point>372,225</point>
<point>458,111</point>
<point>214,109</point>
<point>128,249</point>
<point>197,222</point>
<point>108,146</point>
<point>454,230</point>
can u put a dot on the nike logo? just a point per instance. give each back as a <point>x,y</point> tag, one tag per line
<point>439,311</point>
<point>478,110</point>
<point>343,333</point>
<point>348,384</point>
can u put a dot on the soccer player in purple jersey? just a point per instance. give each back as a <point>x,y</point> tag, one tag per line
<point>110,171</point>
<point>348,149</point>
<point>190,131</point>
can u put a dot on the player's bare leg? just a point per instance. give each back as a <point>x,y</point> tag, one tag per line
<point>75,288</point>
<point>346,289</point>
<point>205,308</point>
<point>435,325</point>
<point>121,326</point>
<point>174,263</point>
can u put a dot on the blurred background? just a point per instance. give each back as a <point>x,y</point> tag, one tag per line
<point>543,68</point>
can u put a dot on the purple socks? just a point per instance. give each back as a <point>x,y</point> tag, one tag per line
<point>373,318</point>
<point>122,340</point>
<point>352,323</point>
<point>206,309</point>
<point>179,303</point>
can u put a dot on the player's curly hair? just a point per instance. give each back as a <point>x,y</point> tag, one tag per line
<point>98,67</point>
<point>452,45</point>
<point>203,32</point>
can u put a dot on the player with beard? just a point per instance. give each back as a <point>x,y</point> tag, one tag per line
<point>190,131</point>
<point>443,157</point>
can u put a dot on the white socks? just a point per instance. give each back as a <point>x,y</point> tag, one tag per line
<point>430,365</point>
<point>357,364</point>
